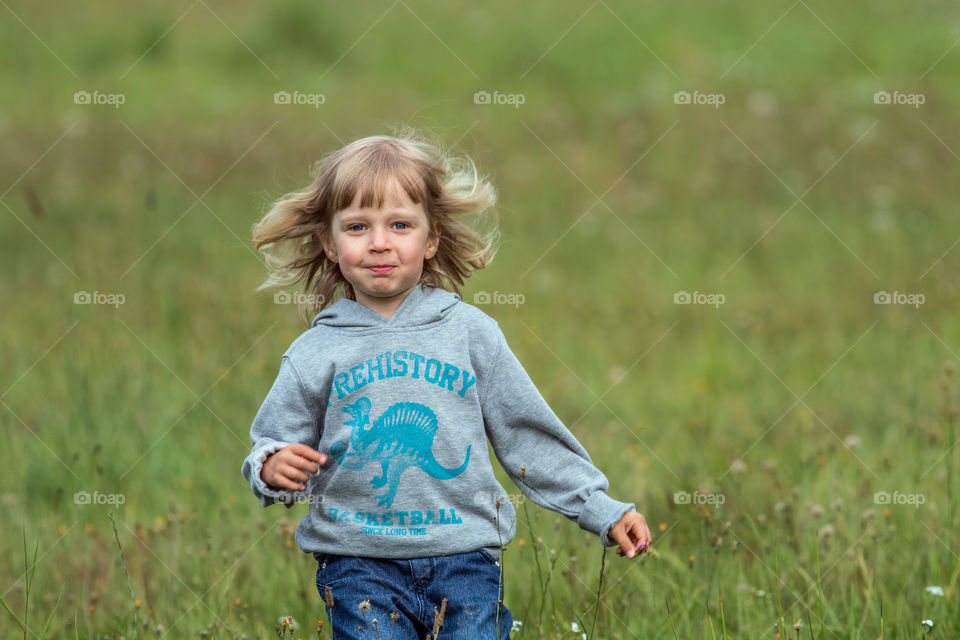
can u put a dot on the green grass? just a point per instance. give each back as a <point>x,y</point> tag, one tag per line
<point>96,398</point>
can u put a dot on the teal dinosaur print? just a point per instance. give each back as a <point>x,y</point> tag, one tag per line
<point>401,437</point>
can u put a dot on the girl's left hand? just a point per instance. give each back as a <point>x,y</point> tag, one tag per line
<point>631,533</point>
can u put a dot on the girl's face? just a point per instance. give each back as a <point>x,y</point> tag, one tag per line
<point>381,250</point>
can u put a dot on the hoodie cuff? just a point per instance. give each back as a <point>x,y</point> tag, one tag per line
<point>269,495</point>
<point>600,513</point>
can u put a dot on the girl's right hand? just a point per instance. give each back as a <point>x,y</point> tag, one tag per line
<point>292,466</point>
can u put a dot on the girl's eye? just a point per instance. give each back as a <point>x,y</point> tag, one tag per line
<point>403,225</point>
<point>353,227</point>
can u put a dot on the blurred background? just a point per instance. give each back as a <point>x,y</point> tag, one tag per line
<point>728,230</point>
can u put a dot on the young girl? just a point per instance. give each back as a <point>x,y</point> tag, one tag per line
<point>377,408</point>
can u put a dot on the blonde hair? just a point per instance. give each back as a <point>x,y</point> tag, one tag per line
<point>292,232</point>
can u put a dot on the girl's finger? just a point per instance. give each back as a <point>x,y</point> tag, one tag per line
<point>294,474</point>
<point>289,485</point>
<point>627,545</point>
<point>307,466</point>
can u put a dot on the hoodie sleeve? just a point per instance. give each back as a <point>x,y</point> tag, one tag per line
<point>524,430</point>
<point>286,417</point>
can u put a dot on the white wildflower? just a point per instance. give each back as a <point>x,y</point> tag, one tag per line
<point>762,103</point>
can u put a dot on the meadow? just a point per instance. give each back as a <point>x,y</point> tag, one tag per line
<point>728,234</point>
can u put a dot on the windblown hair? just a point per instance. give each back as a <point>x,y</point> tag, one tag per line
<point>292,232</point>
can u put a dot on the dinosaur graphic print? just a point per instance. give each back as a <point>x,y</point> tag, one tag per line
<point>401,437</point>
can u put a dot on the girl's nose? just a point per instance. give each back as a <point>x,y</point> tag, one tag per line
<point>378,239</point>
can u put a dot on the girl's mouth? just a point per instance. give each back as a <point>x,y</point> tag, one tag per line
<point>381,270</point>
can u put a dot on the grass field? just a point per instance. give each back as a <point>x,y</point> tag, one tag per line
<point>791,444</point>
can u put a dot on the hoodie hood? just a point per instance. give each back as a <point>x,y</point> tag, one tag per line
<point>423,305</point>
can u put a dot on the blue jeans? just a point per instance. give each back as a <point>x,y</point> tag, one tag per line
<point>413,589</point>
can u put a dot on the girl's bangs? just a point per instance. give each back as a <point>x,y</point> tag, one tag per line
<point>375,179</point>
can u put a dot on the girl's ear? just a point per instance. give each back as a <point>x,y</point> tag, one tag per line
<point>433,243</point>
<point>328,247</point>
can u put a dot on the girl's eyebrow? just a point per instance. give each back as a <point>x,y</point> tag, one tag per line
<point>363,216</point>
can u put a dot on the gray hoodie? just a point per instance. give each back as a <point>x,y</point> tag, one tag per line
<point>403,408</point>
